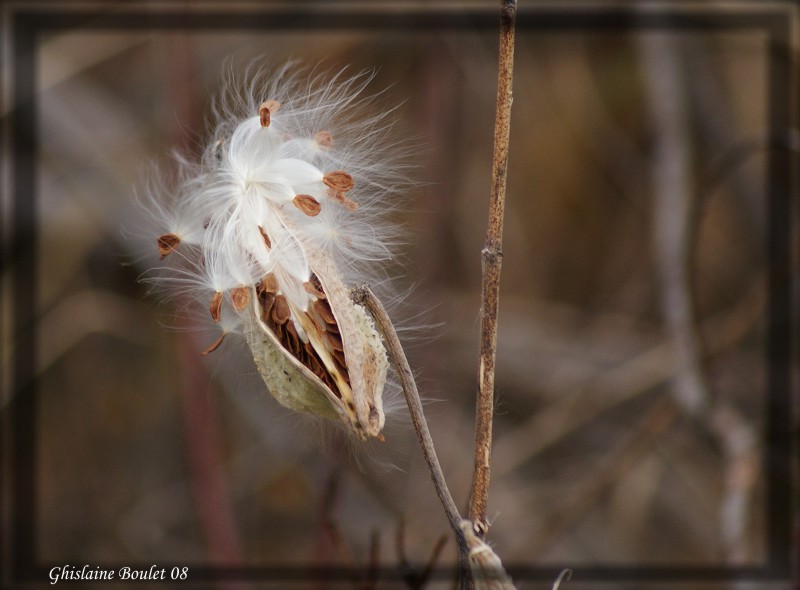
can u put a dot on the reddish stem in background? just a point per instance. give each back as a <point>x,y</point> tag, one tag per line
<point>207,479</point>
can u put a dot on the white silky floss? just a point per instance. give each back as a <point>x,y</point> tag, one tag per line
<point>283,214</point>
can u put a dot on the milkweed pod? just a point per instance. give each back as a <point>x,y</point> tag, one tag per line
<point>336,369</point>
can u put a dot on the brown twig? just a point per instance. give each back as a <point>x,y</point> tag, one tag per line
<point>364,296</point>
<point>492,261</point>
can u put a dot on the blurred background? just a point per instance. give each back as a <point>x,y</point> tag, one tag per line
<point>632,354</point>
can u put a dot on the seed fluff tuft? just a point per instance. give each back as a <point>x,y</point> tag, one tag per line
<point>284,211</point>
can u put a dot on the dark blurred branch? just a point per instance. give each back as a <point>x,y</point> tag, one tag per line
<point>330,525</point>
<point>576,504</point>
<point>675,227</point>
<point>719,132</point>
<point>492,262</point>
<point>374,564</point>
<point>648,365</point>
<point>414,579</point>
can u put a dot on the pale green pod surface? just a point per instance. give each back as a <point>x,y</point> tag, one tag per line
<point>289,382</point>
<point>355,398</point>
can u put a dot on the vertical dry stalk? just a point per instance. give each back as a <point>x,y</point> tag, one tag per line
<point>492,260</point>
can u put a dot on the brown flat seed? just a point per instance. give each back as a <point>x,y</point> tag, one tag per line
<point>215,307</point>
<point>307,204</point>
<point>313,289</point>
<point>167,243</point>
<point>280,311</point>
<point>269,283</point>
<point>264,114</point>
<point>324,140</point>
<point>267,301</point>
<point>332,329</point>
<point>335,341</point>
<point>265,111</point>
<point>240,297</point>
<point>324,310</point>
<point>292,339</point>
<point>318,286</point>
<point>267,241</point>
<point>338,180</point>
<point>338,357</point>
<point>315,367</point>
<point>214,346</point>
<point>314,323</point>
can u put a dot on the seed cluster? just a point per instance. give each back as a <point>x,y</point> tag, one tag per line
<point>251,232</point>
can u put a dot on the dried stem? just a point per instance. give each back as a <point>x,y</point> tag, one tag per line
<point>364,296</point>
<point>492,261</point>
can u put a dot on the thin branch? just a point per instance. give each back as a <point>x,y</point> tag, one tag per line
<point>673,216</point>
<point>492,261</point>
<point>364,296</point>
<point>207,476</point>
<point>329,524</point>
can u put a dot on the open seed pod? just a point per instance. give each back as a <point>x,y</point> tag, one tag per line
<point>327,359</point>
<point>265,226</point>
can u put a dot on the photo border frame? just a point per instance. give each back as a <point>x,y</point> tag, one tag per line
<point>778,21</point>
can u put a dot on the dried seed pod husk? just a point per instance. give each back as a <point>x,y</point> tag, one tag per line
<point>290,382</point>
<point>346,384</point>
<point>487,569</point>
